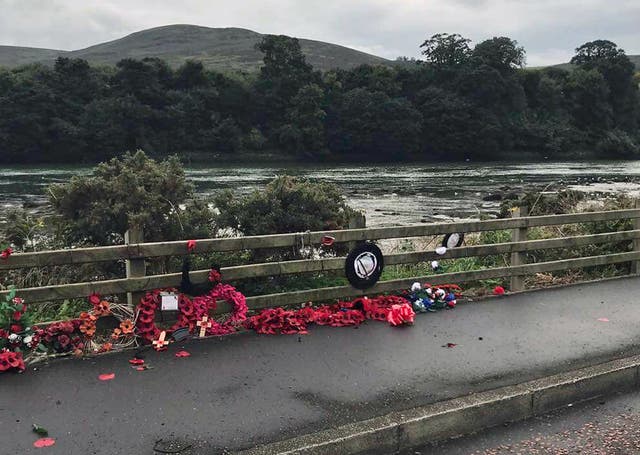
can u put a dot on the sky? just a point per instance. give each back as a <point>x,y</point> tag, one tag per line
<point>549,30</point>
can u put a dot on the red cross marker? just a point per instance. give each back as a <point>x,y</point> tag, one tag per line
<point>204,324</point>
<point>160,343</point>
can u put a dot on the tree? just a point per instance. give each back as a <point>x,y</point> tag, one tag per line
<point>284,72</point>
<point>454,128</point>
<point>618,70</point>
<point>587,95</point>
<point>501,53</point>
<point>191,75</point>
<point>134,191</point>
<point>596,53</point>
<point>304,133</point>
<point>374,125</point>
<point>444,49</point>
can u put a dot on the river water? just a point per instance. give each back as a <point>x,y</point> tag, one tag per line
<point>388,194</point>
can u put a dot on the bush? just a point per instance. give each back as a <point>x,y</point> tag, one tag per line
<point>133,191</point>
<point>287,204</point>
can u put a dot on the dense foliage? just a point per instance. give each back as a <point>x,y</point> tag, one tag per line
<point>135,192</point>
<point>285,205</point>
<point>461,102</point>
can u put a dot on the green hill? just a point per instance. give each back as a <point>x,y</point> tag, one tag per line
<point>221,49</point>
<point>15,56</point>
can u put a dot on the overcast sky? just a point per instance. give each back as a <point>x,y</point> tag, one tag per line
<point>548,29</point>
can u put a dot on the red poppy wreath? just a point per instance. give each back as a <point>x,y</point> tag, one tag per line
<point>146,311</point>
<point>190,312</point>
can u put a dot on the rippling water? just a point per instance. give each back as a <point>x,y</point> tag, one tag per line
<point>389,194</point>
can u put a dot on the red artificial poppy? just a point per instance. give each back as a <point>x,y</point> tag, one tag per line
<point>6,253</point>
<point>4,333</point>
<point>498,290</point>
<point>191,246</point>
<point>145,318</point>
<point>186,308</point>
<point>215,276</point>
<point>107,376</point>
<point>327,240</point>
<point>94,299</point>
<point>15,328</point>
<point>136,361</point>
<point>14,360</point>
<point>183,354</point>
<point>451,345</point>
<point>17,315</point>
<point>44,442</point>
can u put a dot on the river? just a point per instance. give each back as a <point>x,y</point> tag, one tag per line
<point>389,194</point>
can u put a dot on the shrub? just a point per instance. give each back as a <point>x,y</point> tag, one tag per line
<point>133,191</point>
<point>287,204</point>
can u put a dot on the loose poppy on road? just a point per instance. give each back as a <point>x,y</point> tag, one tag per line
<point>44,442</point>
<point>107,376</point>
<point>183,354</point>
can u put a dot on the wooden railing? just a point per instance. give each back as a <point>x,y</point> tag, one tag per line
<point>135,253</point>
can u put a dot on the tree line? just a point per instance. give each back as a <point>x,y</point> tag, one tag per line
<point>458,103</point>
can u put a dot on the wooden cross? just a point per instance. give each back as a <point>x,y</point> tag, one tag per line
<point>160,343</point>
<point>204,324</point>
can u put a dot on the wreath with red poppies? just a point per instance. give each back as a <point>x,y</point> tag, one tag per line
<point>145,324</point>
<point>191,311</point>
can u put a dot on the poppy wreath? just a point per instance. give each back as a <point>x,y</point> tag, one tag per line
<point>120,337</point>
<point>209,302</point>
<point>16,333</point>
<point>146,314</point>
<point>60,338</point>
<point>191,311</point>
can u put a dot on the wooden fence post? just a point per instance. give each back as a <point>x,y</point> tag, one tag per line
<point>635,265</point>
<point>357,221</point>
<point>517,258</point>
<point>135,267</point>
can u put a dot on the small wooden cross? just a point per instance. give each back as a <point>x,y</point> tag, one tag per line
<point>204,324</point>
<point>160,343</point>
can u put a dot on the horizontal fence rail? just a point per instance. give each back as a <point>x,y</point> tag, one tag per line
<point>140,251</point>
<point>177,248</point>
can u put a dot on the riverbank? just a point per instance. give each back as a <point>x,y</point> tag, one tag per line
<point>387,194</point>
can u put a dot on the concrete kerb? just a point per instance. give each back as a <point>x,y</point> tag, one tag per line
<point>400,431</point>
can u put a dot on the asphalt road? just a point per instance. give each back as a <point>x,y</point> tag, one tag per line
<point>248,389</point>
<point>604,426</point>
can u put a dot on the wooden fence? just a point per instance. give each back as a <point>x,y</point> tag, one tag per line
<point>135,252</point>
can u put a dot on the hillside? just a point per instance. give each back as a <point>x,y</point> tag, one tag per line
<point>635,59</point>
<point>221,49</point>
<point>15,56</point>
